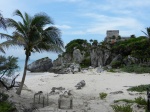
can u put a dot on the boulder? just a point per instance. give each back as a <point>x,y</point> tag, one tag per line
<point>41,65</point>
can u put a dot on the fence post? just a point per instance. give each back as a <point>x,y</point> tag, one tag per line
<point>148,100</point>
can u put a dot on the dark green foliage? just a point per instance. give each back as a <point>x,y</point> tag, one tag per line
<point>122,108</point>
<point>139,88</point>
<point>116,64</point>
<point>141,101</point>
<point>136,69</point>
<point>6,107</point>
<point>8,65</point>
<point>138,100</point>
<point>78,44</point>
<point>102,95</point>
<point>133,46</point>
<point>86,63</point>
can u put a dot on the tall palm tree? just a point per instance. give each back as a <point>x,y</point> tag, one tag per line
<point>32,35</point>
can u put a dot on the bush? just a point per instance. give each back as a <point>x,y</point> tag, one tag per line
<point>116,64</point>
<point>136,69</point>
<point>6,107</point>
<point>102,95</point>
<point>86,63</point>
<point>122,108</point>
<point>141,101</point>
<point>139,88</point>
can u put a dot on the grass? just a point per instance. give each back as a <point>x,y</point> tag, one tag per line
<point>136,69</point>
<point>102,95</point>
<point>111,70</point>
<point>140,88</point>
<point>122,108</point>
<point>138,100</point>
<point>124,100</point>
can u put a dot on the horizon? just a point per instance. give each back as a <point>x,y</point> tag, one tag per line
<point>82,19</point>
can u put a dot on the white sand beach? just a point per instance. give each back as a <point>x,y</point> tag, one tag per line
<point>86,99</point>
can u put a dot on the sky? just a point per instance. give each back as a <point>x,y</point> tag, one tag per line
<point>82,19</point>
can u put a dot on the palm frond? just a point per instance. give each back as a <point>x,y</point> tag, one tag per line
<point>18,13</point>
<point>5,36</point>
<point>48,47</point>
<point>1,49</point>
<point>40,20</point>
<point>2,22</point>
<point>52,35</point>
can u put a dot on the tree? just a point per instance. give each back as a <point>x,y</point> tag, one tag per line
<point>31,34</point>
<point>8,66</point>
<point>147,33</point>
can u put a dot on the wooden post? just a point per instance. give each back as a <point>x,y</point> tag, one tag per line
<point>39,98</point>
<point>47,100</point>
<point>43,100</point>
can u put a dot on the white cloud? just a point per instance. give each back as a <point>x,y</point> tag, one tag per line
<point>63,26</point>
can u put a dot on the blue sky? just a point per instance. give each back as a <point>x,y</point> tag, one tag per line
<point>84,19</point>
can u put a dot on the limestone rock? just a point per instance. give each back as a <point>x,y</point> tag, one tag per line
<point>77,56</point>
<point>66,68</point>
<point>41,65</point>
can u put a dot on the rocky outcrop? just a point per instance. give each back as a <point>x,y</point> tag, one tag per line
<point>77,56</point>
<point>41,65</point>
<point>100,57</point>
<point>66,68</point>
<point>130,60</point>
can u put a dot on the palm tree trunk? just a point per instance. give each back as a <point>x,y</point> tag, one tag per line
<point>24,76</point>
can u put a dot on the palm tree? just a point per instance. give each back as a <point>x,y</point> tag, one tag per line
<point>32,35</point>
<point>147,33</point>
<point>2,25</point>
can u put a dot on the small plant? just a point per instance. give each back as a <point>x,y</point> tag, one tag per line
<point>124,100</point>
<point>141,101</point>
<point>111,70</point>
<point>102,95</point>
<point>140,88</point>
<point>122,108</point>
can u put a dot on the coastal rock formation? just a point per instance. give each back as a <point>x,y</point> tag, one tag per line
<point>77,56</point>
<point>66,68</point>
<point>100,57</point>
<point>41,65</point>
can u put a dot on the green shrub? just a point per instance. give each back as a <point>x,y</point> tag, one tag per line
<point>102,95</point>
<point>136,69</point>
<point>139,88</point>
<point>141,101</point>
<point>138,100</point>
<point>122,108</point>
<point>116,64</point>
<point>86,63</point>
<point>6,107</point>
<point>111,70</point>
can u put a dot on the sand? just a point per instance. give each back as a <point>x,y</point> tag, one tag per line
<point>86,99</point>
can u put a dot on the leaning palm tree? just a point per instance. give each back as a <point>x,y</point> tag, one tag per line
<point>147,33</point>
<point>32,35</point>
